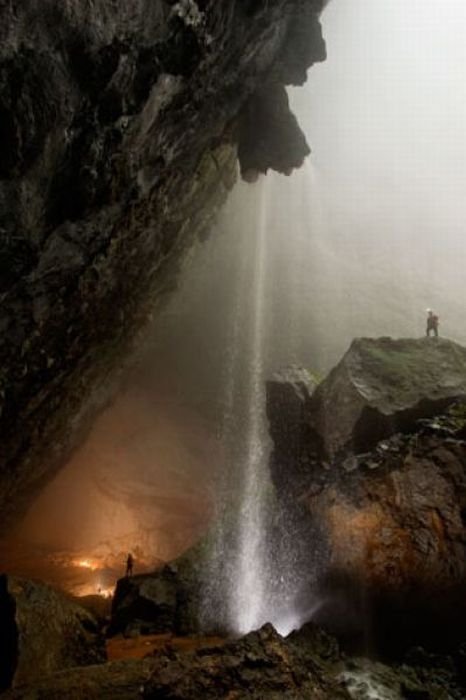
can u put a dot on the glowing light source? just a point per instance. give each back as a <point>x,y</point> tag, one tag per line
<point>105,592</point>
<point>85,564</point>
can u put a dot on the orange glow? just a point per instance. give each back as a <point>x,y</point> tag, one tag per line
<point>142,483</point>
<point>86,564</point>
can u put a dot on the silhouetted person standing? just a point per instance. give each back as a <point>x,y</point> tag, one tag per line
<point>432,323</point>
<point>129,565</point>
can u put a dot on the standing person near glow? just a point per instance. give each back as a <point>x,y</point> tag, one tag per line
<point>129,565</point>
<point>432,323</point>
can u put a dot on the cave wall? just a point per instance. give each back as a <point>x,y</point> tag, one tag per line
<point>119,130</point>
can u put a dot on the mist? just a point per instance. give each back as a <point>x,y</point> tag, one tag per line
<point>385,116</point>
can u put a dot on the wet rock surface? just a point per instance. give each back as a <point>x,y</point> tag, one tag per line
<point>389,522</point>
<point>119,128</point>
<point>42,631</point>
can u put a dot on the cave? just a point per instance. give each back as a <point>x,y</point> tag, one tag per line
<point>233,387</point>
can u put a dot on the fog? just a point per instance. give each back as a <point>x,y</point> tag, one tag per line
<point>385,116</point>
<point>358,243</point>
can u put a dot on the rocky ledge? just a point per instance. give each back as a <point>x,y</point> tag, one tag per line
<point>120,124</point>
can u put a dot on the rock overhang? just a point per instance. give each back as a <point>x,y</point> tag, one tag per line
<point>119,132</point>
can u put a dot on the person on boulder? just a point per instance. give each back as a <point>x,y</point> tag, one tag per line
<point>432,323</point>
<point>129,565</point>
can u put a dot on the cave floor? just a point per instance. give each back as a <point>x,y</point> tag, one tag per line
<point>138,647</point>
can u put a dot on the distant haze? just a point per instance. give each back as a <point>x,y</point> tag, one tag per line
<point>386,119</point>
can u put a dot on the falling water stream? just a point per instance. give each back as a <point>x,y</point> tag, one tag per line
<point>243,586</point>
<point>248,593</point>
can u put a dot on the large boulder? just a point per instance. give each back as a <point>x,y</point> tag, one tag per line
<point>145,604</point>
<point>381,386</point>
<point>165,600</point>
<point>42,631</point>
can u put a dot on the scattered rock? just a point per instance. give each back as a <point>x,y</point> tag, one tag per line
<point>260,665</point>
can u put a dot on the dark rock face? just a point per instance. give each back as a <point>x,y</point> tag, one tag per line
<point>118,131</point>
<point>42,632</point>
<point>269,135</point>
<point>389,521</point>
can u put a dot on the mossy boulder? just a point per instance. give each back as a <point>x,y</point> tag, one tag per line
<point>381,387</point>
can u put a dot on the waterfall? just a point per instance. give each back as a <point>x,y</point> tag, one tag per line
<point>251,579</point>
<point>248,592</point>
